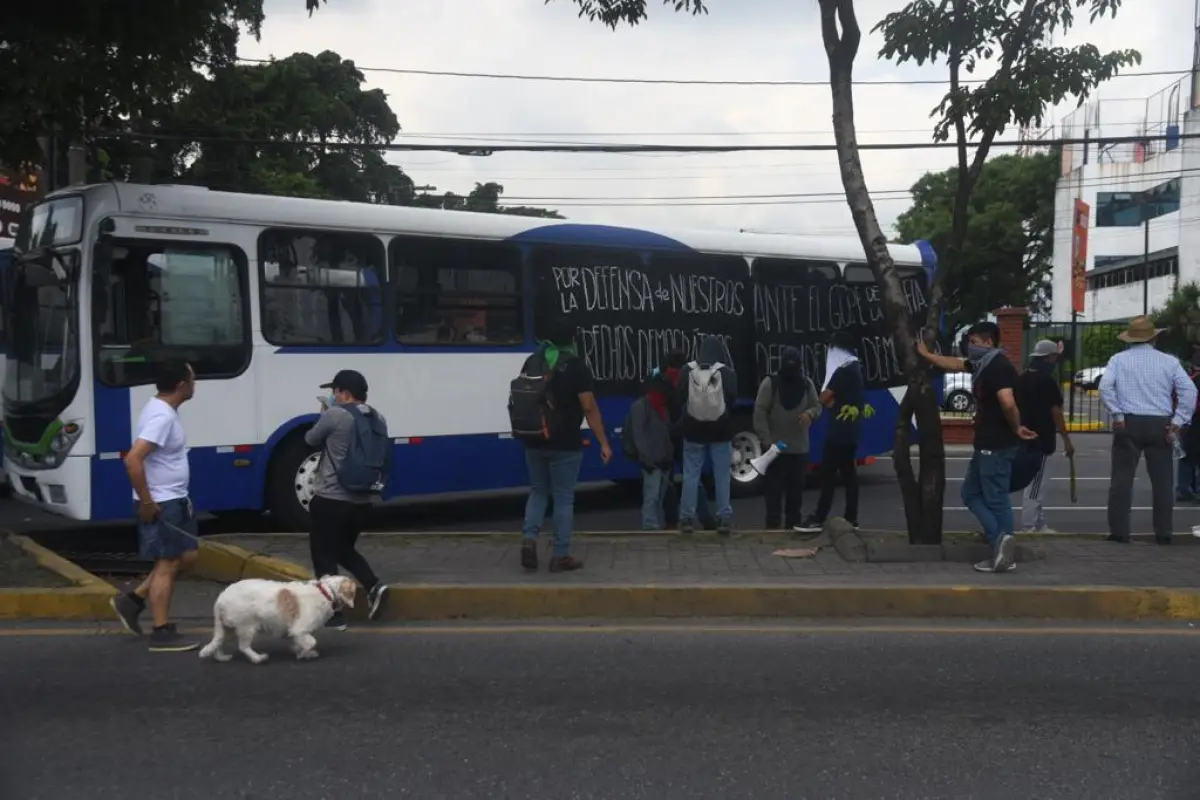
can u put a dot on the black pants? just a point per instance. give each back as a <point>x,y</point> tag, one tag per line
<point>335,528</point>
<point>838,461</point>
<point>785,485</point>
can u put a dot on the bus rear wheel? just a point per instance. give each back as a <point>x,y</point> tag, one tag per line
<point>290,486</point>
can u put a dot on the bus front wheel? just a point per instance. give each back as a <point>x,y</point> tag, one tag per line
<point>292,477</point>
<point>746,482</point>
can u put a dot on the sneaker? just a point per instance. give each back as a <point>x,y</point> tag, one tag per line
<point>724,528</point>
<point>687,526</point>
<point>376,600</point>
<point>989,565</point>
<point>853,525</point>
<point>337,622</point>
<point>169,640</point>
<point>1006,551</point>
<point>529,558</point>
<point>128,609</point>
<point>810,525</point>
<point>565,564</point>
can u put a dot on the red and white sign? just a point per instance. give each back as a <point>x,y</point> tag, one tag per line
<point>1079,242</point>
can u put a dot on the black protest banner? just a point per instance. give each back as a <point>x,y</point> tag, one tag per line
<point>802,303</point>
<point>630,310</point>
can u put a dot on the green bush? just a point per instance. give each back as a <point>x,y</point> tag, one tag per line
<point>1100,343</point>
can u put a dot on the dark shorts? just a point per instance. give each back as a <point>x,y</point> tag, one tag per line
<point>159,540</point>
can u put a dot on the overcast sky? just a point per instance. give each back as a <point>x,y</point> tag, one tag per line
<point>737,40</point>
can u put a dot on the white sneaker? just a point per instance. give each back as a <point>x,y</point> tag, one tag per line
<point>1006,552</point>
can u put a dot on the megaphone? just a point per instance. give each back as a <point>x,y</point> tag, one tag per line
<point>761,463</point>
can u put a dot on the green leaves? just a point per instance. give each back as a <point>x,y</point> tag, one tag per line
<point>1035,74</point>
<point>1006,259</point>
<point>614,12</point>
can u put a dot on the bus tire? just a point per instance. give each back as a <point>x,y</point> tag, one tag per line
<point>745,481</point>
<point>290,467</point>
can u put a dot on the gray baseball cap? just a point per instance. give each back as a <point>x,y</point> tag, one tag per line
<point>1044,348</point>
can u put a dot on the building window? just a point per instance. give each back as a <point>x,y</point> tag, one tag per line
<point>456,292</point>
<point>171,300</point>
<point>1130,209</point>
<point>321,288</point>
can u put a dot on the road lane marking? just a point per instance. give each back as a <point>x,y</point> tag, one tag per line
<point>584,629</point>
<point>1077,508</point>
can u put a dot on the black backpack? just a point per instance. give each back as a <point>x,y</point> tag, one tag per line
<point>628,445</point>
<point>531,411</point>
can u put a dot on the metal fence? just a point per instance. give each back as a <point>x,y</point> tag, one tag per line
<point>1087,347</point>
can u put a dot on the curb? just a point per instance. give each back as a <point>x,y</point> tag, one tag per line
<point>523,601</point>
<point>228,563</point>
<point>87,599</point>
<point>1085,427</point>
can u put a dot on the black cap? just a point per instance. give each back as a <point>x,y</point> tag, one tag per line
<point>348,380</point>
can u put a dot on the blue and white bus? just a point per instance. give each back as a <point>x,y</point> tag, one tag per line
<point>268,297</point>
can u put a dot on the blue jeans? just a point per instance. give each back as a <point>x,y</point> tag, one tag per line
<point>721,454</point>
<point>655,483</point>
<point>985,491</point>
<point>552,473</point>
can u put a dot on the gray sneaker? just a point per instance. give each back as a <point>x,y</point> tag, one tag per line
<point>128,610</point>
<point>1006,554</point>
<point>168,640</point>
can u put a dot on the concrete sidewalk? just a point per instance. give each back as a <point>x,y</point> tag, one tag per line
<point>653,572</point>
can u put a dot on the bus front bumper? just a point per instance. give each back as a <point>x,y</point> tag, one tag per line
<point>66,490</point>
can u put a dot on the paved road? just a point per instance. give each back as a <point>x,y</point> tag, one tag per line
<point>605,713</point>
<point>608,509</point>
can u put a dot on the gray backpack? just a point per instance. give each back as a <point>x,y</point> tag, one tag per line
<point>705,392</point>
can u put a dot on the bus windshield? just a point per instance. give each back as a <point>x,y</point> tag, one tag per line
<point>43,356</point>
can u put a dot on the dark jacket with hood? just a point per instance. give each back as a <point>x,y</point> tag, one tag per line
<point>782,398</point>
<point>712,350</point>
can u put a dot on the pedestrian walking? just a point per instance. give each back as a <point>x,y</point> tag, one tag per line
<point>1040,399</point>
<point>548,402</point>
<point>998,436</point>
<point>353,472</point>
<point>646,436</point>
<point>709,388</point>
<point>157,464</point>
<point>784,411</point>
<point>1150,399</point>
<point>842,393</point>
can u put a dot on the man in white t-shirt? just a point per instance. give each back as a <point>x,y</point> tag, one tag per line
<point>157,464</point>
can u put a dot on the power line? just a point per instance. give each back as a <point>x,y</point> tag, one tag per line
<point>487,149</point>
<point>796,198</point>
<point>680,82</point>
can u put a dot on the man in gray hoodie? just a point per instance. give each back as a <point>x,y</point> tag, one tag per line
<point>708,389</point>
<point>784,411</point>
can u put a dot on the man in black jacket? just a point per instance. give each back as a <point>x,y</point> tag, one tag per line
<point>708,391</point>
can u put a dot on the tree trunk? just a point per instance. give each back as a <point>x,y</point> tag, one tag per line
<point>922,494</point>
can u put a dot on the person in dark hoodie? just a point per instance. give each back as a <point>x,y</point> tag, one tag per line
<point>650,431</point>
<point>784,410</point>
<point>708,389</point>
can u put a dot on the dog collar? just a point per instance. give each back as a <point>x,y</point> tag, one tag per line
<point>324,591</point>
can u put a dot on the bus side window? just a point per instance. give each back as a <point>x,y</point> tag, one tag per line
<point>172,300</point>
<point>455,292</point>
<point>321,288</point>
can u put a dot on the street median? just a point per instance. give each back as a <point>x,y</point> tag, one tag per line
<point>765,575</point>
<point>48,586</point>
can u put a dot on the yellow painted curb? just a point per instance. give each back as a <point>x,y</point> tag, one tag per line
<point>1085,427</point>
<point>525,601</point>
<point>227,563</point>
<point>87,599</point>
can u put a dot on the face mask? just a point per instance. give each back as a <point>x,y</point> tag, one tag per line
<point>976,352</point>
<point>1043,365</point>
<point>330,400</point>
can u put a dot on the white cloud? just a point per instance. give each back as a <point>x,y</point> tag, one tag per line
<point>737,40</point>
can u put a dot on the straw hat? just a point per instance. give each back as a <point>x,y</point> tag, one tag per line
<point>1140,330</point>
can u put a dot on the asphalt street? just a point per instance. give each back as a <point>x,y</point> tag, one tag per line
<point>605,508</point>
<point>696,711</point>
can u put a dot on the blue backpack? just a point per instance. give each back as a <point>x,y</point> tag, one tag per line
<point>364,470</point>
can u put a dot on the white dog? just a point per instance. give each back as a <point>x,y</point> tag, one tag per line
<point>292,610</point>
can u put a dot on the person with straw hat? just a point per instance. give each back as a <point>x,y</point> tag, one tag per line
<point>1150,398</point>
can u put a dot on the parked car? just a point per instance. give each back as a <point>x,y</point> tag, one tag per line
<point>957,395</point>
<point>1088,378</point>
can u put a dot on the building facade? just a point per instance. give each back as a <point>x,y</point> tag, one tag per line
<point>1144,198</point>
